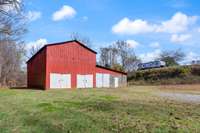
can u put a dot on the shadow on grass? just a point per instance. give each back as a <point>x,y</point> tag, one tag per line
<point>25,88</point>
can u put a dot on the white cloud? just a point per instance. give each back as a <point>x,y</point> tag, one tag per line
<point>66,12</point>
<point>178,23</point>
<point>154,44</point>
<point>132,43</point>
<point>36,44</point>
<point>191,56</point>
<point>127,26</point>
<point>33,15</point>
<point>175,38</point>
<point>150,56</point>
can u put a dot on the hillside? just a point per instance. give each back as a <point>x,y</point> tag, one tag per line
<point>168,75</point>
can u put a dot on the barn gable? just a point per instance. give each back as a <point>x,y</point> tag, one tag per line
<point>62,43</point>
<point>70,58</point>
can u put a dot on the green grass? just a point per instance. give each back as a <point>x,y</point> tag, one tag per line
<point>133,109</point>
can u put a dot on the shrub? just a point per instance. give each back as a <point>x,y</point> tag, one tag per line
<point>173,75</point>
<point>195,70</point>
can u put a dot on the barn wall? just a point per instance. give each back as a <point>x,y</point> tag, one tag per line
<point>36,71</point>
<point>67,58</point>
<point>70,58</point>
<point>122,77</point>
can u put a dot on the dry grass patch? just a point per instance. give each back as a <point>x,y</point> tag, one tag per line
<point>192,89</point>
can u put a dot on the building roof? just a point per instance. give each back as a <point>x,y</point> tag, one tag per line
<point>111,69</point>
<point>60,43</point>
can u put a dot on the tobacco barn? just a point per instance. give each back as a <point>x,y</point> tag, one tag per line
<point>70,64</point>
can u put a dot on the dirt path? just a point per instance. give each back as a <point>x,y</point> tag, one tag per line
<point>181,97</point>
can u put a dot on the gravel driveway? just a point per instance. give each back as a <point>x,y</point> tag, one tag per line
<point>181,97</point>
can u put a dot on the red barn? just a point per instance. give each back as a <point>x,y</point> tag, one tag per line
<point>70,64</point>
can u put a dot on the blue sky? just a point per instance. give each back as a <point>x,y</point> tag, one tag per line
<point>149,26</point>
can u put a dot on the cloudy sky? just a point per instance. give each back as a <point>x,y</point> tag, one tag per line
<point>149,27</point>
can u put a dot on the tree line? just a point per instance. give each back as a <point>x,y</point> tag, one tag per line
<point>120,56</point>
<point>12,29</point>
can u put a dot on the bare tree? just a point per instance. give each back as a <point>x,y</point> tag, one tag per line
<point>172,58</point>
<point>119,56</point>
<point>113,55</point>
<point>11,63</point>
<point>83,39</point>
<point>131,63</point>
<point>32,51</point>
<point>104,57</point>
<point>11,44</point>
<point>15,3</point>
<point>6,6</point>
<point>108,56</point>
<point>127,56</point>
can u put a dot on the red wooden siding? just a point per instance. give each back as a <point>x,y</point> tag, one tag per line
<point>70,58</point>
<point>36,71</point>
<point>64,58</point>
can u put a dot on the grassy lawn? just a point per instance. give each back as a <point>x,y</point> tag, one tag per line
<point>131,109</point>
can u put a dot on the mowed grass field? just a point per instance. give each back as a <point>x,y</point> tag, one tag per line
<point>130,109</point>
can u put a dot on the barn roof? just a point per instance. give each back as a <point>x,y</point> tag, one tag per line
<point>60,43</point>
<point>111,69</point>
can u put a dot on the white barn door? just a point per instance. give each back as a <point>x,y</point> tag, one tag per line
<point>84,81</point>
<point>80,81</point>
<point>106,80</point>
<point>89,81</point>
<point>66,81</point>
<point>102,80</point>
<point>99,80</point>
<point>116,82</point>
<point>60,80</point>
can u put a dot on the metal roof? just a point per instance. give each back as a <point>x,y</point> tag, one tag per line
<point>110,69</point>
